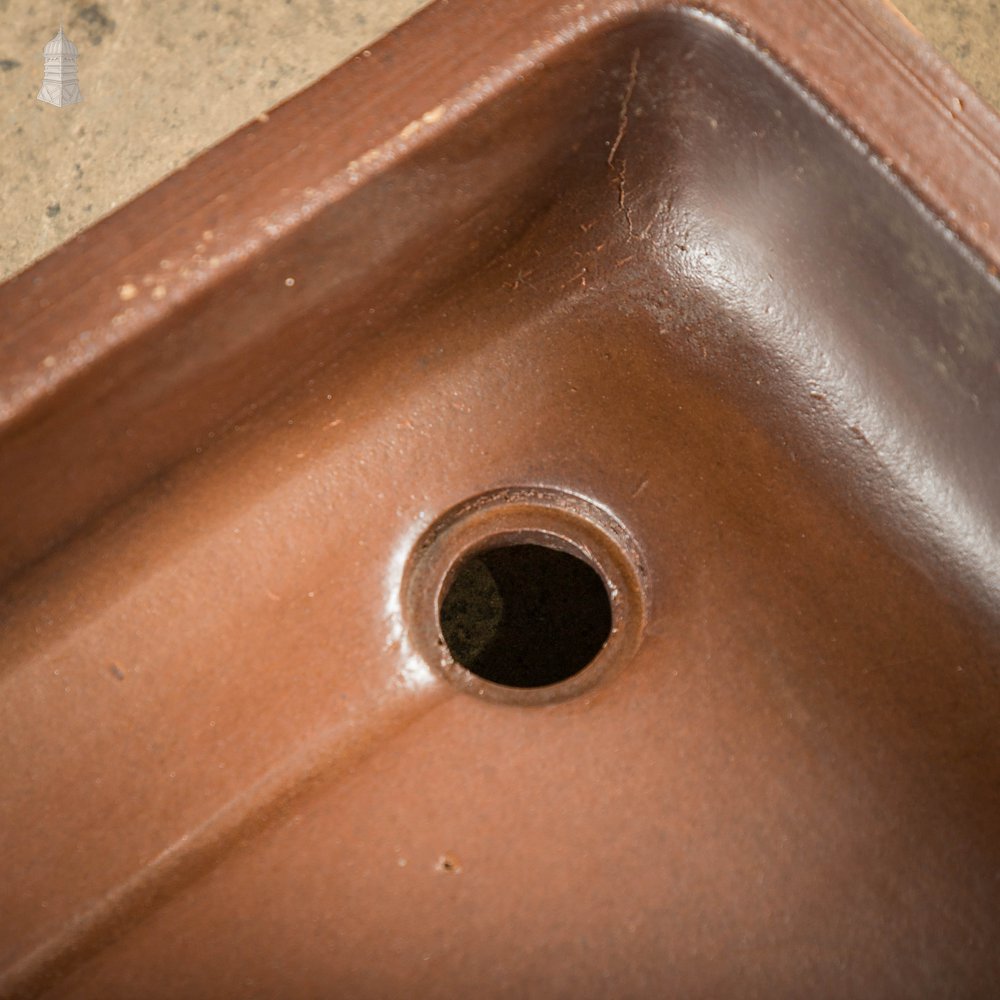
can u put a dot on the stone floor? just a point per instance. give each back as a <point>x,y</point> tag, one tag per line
<point>163,81</point>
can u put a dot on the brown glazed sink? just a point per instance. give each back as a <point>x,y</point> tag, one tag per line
<point>705,300</point>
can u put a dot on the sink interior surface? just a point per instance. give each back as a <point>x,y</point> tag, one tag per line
<point>709,310</point>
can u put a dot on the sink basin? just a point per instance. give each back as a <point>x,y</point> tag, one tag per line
<point>685,297</point>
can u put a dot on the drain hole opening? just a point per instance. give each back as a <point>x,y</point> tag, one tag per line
<point>525,615</point>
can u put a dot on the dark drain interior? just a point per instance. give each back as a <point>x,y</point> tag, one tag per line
<point>525,615</point>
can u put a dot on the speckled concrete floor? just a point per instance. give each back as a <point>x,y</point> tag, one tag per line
<point>967,33</point>
<point>163,81</point>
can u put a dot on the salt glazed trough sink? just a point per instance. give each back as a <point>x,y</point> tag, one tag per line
<point>521,519</point>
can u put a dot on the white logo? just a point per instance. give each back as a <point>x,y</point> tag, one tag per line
<point>60,85</point>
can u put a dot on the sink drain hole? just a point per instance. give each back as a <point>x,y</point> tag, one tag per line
<point>525,616</point>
